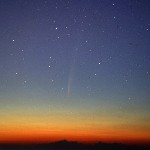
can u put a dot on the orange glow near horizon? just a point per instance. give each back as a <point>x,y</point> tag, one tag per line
<point>37,135</point>
<point>42,126</point>
<point>40,137</point>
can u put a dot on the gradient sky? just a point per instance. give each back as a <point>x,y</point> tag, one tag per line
<point>75,70</point>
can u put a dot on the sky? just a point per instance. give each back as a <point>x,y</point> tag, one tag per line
<point>75,70</point>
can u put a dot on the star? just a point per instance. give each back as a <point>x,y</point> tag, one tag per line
<point>49,66</point>
<point>56,28</point>
<point>99,63</point>
<point>13,40</point>
<point>16,73</point>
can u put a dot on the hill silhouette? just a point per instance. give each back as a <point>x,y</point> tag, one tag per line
<point>66,145</point>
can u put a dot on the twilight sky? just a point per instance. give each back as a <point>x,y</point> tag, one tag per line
<point>75,69</point>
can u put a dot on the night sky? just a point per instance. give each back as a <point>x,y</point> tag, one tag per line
<point>75,69</point>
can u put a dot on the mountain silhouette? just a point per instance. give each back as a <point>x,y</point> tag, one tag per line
<point>73,145</point>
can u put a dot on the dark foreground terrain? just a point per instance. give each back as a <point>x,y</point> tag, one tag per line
<point>65,145</point>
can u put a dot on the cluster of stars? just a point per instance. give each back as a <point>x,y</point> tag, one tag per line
<point>84,27</point>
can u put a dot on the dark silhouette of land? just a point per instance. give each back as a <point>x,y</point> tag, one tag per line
<point>65,145</point>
